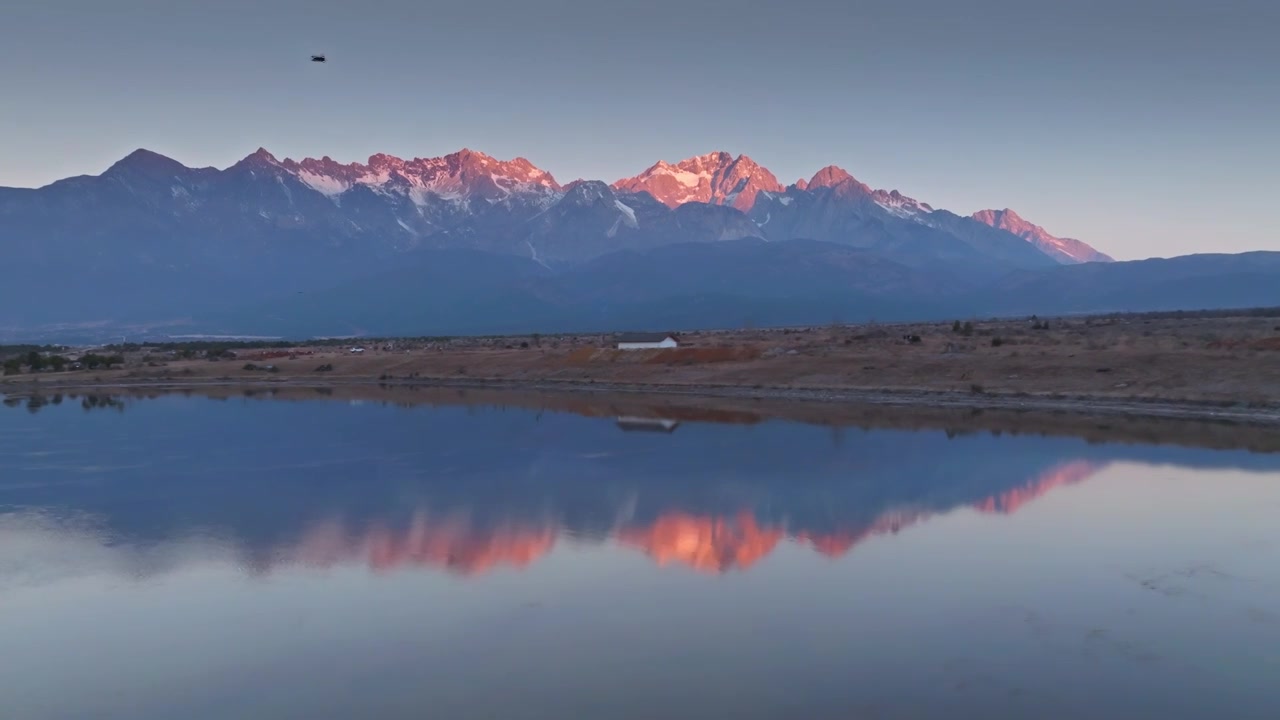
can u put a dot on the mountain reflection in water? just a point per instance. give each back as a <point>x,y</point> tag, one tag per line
<point>707,543</point>
<point>210,558</point>
<point>467,490</point>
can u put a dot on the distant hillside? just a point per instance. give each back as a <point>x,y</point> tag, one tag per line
<point>677,286</point>
<point>737,284</point>
<point>1190,282</point>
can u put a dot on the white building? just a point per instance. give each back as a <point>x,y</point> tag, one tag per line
<point>646,341</point>
<point>663,425</point>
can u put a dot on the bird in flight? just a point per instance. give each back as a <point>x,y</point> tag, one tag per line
<point>317,58</point>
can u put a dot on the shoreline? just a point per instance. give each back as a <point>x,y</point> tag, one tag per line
<point>1220,369</point>
<point>1132,407</point>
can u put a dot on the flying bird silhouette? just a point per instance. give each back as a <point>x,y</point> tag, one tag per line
<point>317,58</point>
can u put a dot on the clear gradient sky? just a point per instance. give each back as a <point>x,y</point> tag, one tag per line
<point>1145,127</point>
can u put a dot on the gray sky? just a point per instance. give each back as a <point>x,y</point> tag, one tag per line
<point>1145,128</point>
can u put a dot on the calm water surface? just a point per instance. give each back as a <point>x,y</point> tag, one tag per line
<point>193,558</point>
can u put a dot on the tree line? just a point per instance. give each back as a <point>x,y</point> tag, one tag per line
<point>36,362</point>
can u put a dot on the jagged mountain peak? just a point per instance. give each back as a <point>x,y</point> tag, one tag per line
<point>458,176</point>
<point>144,155</point>
<point>999,214</point>
<point>842,184</point>
<point>587,191</point>
<point>1067,251</point>
<point>717,178</point>
<point>384,160</point>
<point>898,204</point>
<point>715,158</point>
<point>263,155</point>
<point>831,176</point>
<point>260,159</point>
<point>146,162</point>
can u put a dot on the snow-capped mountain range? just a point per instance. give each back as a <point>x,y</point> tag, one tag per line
<point>470,200</point>
<point>460,177</point>
<point>439,243</point>
<point>442,191</point>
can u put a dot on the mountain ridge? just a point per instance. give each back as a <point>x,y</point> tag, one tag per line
<point>151,240</point>
<point>440,186</point>
<point>1065,250</point>
<point>745,283</point>
<point>715,178</point>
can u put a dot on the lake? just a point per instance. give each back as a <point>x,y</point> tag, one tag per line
<point>188,557</point>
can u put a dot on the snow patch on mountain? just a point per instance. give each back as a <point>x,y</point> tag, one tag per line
<point>287,192</point>
<point>323,184</point>
<point>690,180</point>
<point>454,179</point>
<point>533,255</point>
<point>628,214</point>
<point>900,205</point>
